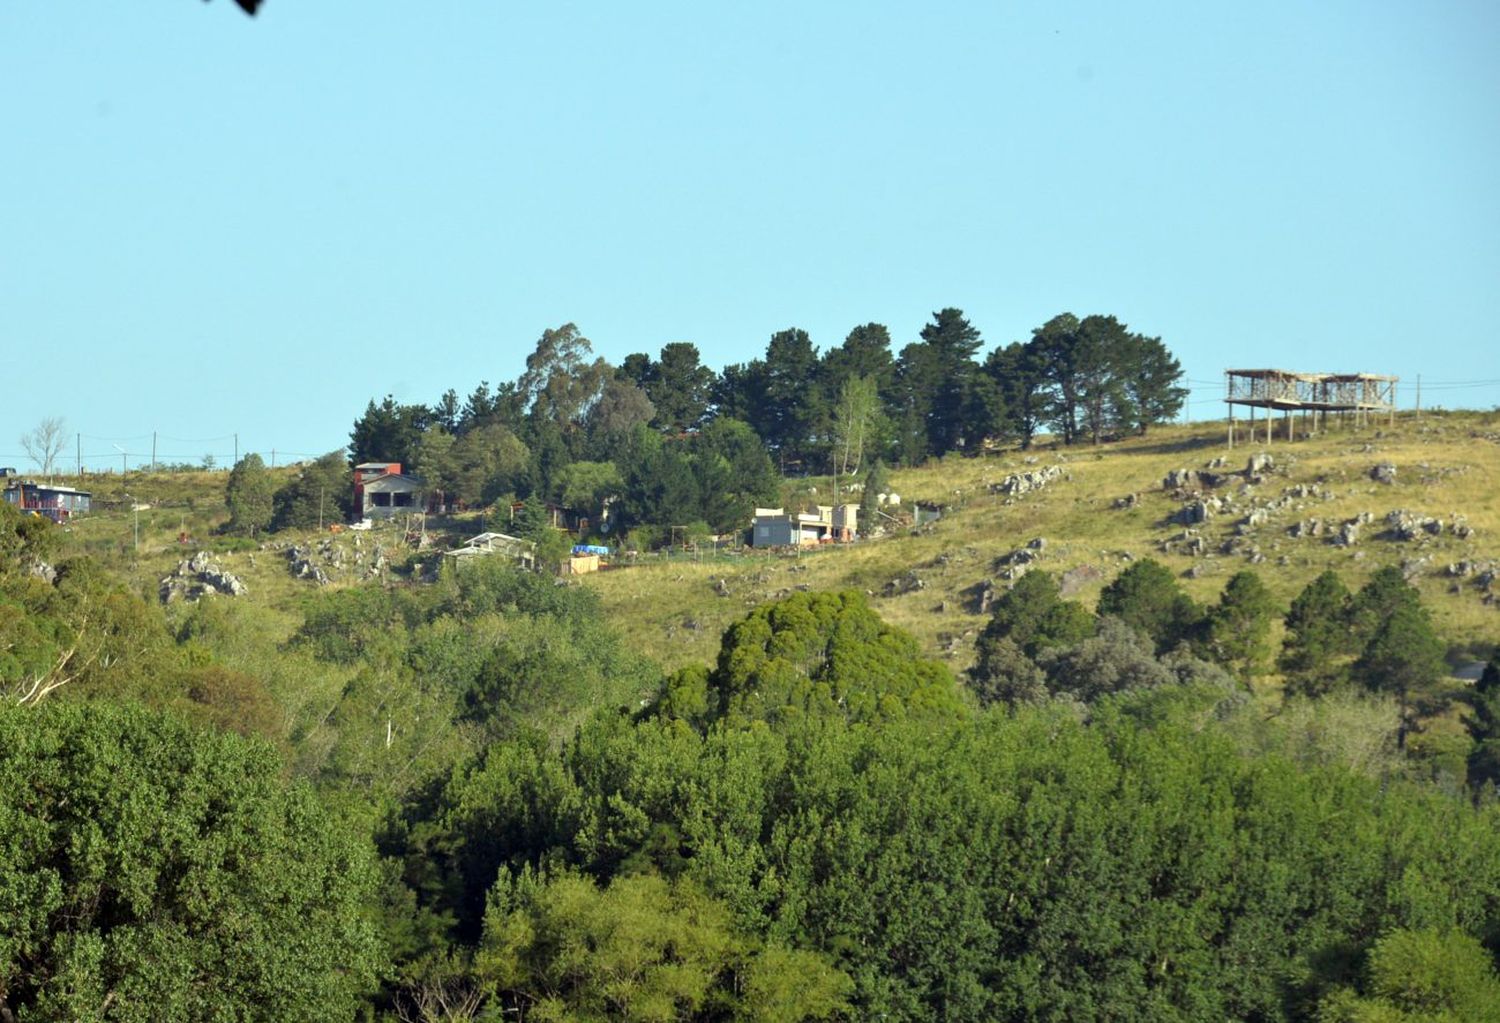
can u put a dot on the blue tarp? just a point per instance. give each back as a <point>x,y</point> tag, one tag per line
<point>589,548</point>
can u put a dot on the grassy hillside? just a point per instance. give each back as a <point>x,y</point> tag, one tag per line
<point>1446,465</point>
<point>674,610</point>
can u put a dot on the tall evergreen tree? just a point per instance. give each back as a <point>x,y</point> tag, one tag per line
<point>1019,374</point>
<point>740,393</point>
<point>387,432</point>
<point>1147,598</point>
<point>795,409</point>
<point>866,352</point>
<point>1150,384</point>
<point>1033,615</point>
<point>1386,592</point>
<point>1404,657</point>
<point>1239,626</point>
<point>680,387</point>
<point>1099,348</point>
<point>915,388</point>
<point>953,342</point>
<point>1054,350</point>
<point>1318,639</point>
<point>447,413</point>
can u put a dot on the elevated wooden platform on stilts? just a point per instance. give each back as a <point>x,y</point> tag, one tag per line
<point>1351,397</point>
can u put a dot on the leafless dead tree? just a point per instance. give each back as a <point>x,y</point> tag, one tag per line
<point>440,1000</point>
<point>44,443</point>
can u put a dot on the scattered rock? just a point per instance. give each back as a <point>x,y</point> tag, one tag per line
<point>1384,472</point>
<point>1259,463</point>
<point>1127,502</point>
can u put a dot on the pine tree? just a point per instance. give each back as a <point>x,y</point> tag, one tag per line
<point>1386,592</point>
<point>679,386</point>
<point>1147,598</point>
<point>1239,626</point>
<point>1033,615</point>
<point>1318,637</point>
<point>952,341</point>
<point>1404,658</point>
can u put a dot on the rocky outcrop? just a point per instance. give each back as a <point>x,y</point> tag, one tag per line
<point>908,582</point>
<point>1020,483</point>
<point>198,577</point>
<point>300,562</point>
<point>1195,513</point>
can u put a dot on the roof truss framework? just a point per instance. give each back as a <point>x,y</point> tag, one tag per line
<point>1312,394</point>
<point>1325,392</point>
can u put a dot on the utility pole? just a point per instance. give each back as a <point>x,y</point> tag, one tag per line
<point>1419,397</point>
<point>153,450</point>
<point>78,452</point>
<point>236,449</point>
<point>321,489</point>
<point>273,458</point>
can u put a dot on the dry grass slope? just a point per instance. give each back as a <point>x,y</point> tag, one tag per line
<point>1446,465</point>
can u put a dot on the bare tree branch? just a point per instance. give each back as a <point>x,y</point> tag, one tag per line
<point>45,442</point>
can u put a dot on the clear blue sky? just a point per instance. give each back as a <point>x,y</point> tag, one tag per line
<point>214,224</point>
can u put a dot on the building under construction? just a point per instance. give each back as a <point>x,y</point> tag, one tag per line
<point>1351,397</point>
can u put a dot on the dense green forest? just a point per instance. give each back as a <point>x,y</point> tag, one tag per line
<point>669,441</point>
<point>470,799</point>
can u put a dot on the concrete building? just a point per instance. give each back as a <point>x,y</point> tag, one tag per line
<point>824,523</point>
<point>395,493</point>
